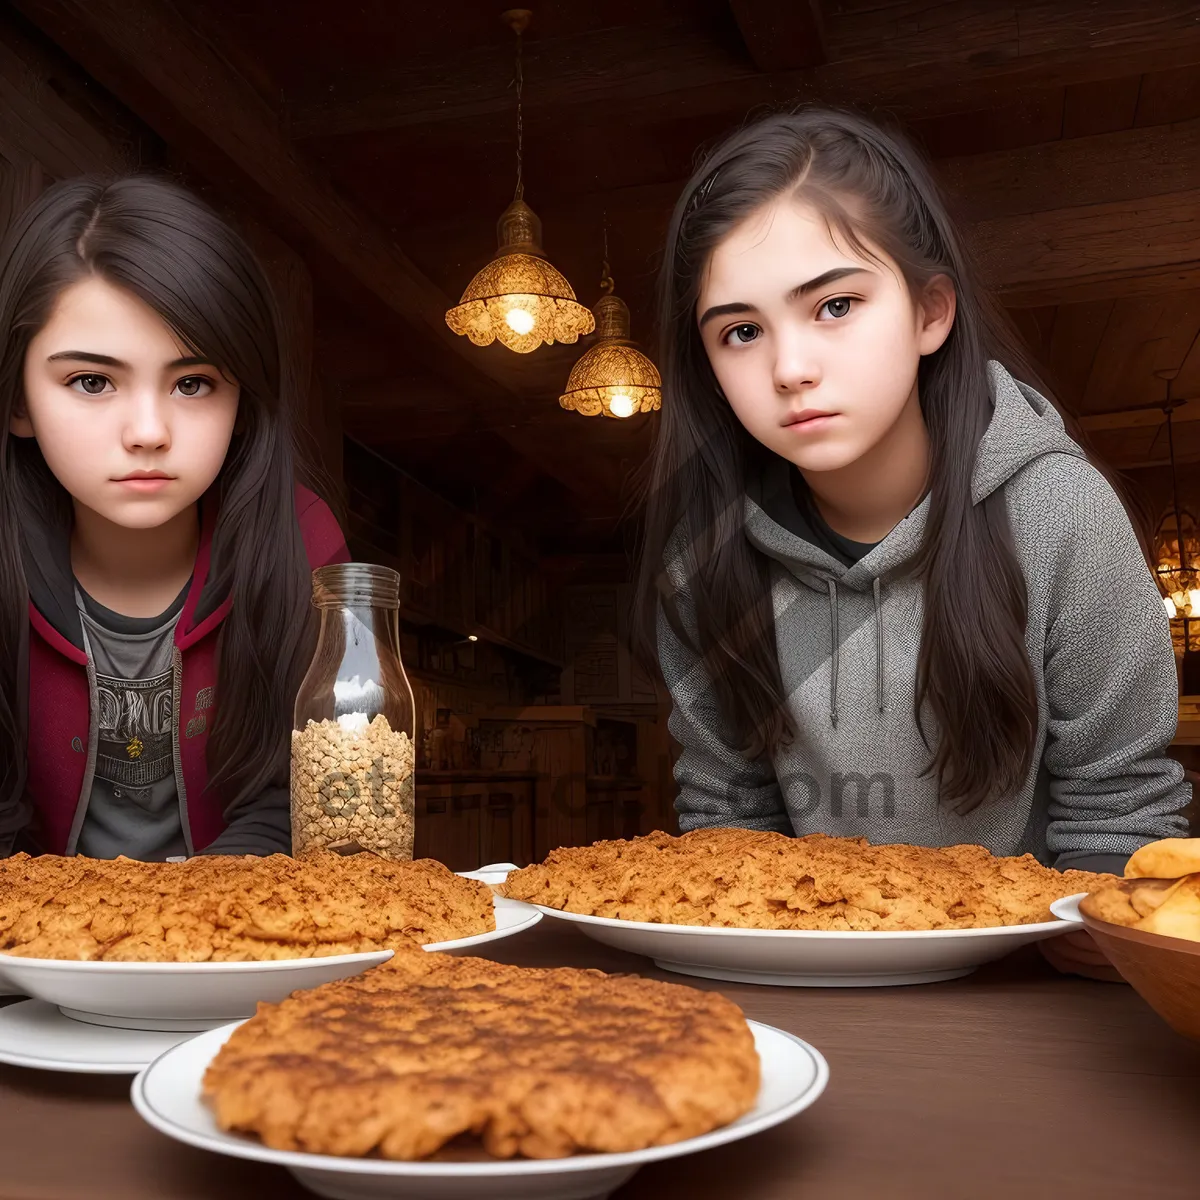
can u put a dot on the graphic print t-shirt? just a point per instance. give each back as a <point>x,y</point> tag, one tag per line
<point>134,804</point>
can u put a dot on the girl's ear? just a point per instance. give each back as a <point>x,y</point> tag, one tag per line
<point>935,314</point>
<point>20,425</point>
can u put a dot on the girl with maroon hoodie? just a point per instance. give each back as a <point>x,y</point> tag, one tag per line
<point>155,547</point>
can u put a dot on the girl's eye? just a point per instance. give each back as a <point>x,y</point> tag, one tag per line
<point>89,385</point>
<point>839,306</point>
<point>741,334</point>
<point>193,386</point>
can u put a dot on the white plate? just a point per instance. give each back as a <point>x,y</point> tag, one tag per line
<point>187,997</point>
<point>167,1095</point>
<point>173,997</point>
<point>813,958</point>
<point>35,1034</point>
<point>1067,909</point>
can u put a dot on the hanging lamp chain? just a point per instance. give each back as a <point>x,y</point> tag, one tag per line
<point>1169,409</point>
<point>519,81</point>
<point>606,280</point>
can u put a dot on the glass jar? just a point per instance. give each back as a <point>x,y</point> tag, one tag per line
<point>353,762</point>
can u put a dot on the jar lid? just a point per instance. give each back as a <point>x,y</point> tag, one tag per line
<point>363,584</point>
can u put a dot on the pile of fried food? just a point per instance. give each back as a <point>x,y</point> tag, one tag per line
<point>432,1052</point>
<point>746,879</point>
<point>1159,894</point>
<point>232,909</point>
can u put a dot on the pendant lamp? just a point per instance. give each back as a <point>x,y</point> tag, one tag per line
<point>614,378</point>
<point>519,299</point>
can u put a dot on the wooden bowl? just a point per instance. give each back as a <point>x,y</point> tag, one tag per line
<point>1164,971</point>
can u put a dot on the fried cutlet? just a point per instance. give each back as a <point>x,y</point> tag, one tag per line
<point>429,1048</point>
<point>231,909</point>
<point>749,879</point>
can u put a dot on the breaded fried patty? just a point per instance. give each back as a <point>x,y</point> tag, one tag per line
<point>747,879</point>
<point>411,1055</point>
<point>232,909</point>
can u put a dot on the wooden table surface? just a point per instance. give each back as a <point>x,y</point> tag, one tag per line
<point>1012,1082</point>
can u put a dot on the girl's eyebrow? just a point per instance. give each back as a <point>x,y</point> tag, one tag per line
<point>106,360</point>
<point>828,277</point>
<point>801,289</point>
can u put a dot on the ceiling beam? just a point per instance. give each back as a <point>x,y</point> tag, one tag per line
<point>781,37</point>
<point>951,58</point>
<point>1092,252</point>
<point>1127,164</point>
<point>182,86</point>
<point>1145,417</point>
<point>39,124</point>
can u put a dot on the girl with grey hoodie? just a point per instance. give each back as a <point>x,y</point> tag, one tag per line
<point>899,601</point>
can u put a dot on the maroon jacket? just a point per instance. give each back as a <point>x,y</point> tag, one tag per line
<point>61,743</point>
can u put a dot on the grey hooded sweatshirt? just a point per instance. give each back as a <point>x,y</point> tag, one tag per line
<point>1099,785</point>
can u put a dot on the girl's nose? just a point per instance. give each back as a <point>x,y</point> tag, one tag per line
<point>146,424</point>
<point>796,367</point>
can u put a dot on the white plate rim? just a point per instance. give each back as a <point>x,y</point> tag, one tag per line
<point>1066,908</point>
<point>1059,924</point>
<point>299,1161</point>
<point>367,957</point>
<point>72,1066</point>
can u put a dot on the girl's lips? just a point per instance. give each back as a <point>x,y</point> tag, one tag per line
<point>143,484</point>
<point>810,424</point>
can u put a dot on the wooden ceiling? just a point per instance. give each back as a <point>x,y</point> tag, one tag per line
<point>379,140</point>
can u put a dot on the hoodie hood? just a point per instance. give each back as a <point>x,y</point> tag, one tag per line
<point>1024,427</point>
<point>46,554</point>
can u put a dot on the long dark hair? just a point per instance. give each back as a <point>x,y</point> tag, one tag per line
<point>973,671</point>
<point>158,241</point>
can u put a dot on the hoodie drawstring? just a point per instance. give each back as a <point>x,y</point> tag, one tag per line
<point>879,643</point>
<point>833,633</point>
<point>835,660</point>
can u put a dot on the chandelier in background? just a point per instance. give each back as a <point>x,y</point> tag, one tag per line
<point>614,378</point>
<point>519,299</point>
<point>1177,549</point>
<point>1176,564</point>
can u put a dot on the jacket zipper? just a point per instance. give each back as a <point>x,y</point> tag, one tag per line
<point>176,754</point>
<point>89,770</point>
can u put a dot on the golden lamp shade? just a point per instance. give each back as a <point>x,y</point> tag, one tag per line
<point>519,299</point>
<point>614,378</point>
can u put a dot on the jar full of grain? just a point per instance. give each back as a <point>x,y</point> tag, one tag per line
<point>352,739</point>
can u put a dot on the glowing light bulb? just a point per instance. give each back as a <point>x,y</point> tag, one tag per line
<point>1172,611</point>
<point>519,320</point>
<point>621,405</point>
<point>1194,600</point>
<point>472,637</point>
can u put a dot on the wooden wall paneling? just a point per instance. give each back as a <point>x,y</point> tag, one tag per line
<point>448,824</point>
<point>21,182</point>
<point>1143,336</point>
<point>1074,340</point>
<point>318,419</point>
<point>781,37</point>
<point>39,123</point>
<point>561,756</point>
<point>1169,95</point>
<point>1100,106</point>
<point>507,834</point>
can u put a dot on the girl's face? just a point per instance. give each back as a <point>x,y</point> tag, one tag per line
<point>131,425</point>
<point>815,348</point>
